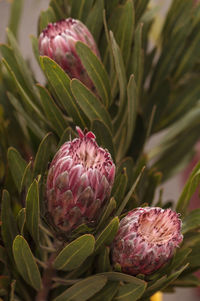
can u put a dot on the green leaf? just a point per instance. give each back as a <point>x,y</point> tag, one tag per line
<point>107,293</point>
<point>191,221</point>
<point>96,13</point>
<point>80,9</point>
<point>73,255</point>
<point>138,56</point>
<point>83,290</point>
<point>43,155</point>
<point>34,41</point>
<point>27,177</point>
<point>9,226</point>
<point>15,15</point>
<point>103,261</point>
<point>96,72</point>
<point>89,103</point>
<point>119,187</point>
<point>189,189</point>
<point>60,8</point>
<point>60,82</point>
<point>52,111</point>
<point>25,262</point>
<point>115,276</point>
<point>67,135</point>
<point>129,194</point>
<point>107,235</point>
<point>17,166</point>
<point>33,211</point>
<point>121,75</point>
<point>130,292</point>
<point>46,17</point>
<point>21,220</point>
<point>108,211</point>
<point>103,136</point>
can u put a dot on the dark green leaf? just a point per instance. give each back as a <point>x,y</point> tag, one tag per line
<point>35,48</point>
<point>108,211</point>
<point>80,9</point>
<point>119,187</point>
<point>15,15</point>
<point>73,255</point>
<point>115,276</point>
<point>96,72</point>
<point>27,177</point>
<point>43,155</point>
<point>191,221</point>
<point>103,136</point>
<point>67,135</point>
<point>21,219</point>
<point>25,262</point>
<point>83,290</point>
<point>96,13</point>
<point>9,226</point>
<point>60,83</point>
<point>89,103</point>
<point>52,111</point>
<point>130,292</point>
<point>107,293</point>
<point>46,17</point>
<point>107,235</point>
<point>32,211</point>
<point>103,261</point>
<point>17,166</point>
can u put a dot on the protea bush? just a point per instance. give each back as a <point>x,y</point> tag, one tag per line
<point>83,216</point>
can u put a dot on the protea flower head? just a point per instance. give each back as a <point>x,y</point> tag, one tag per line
<point>58,40</point>
<point>79,182</point>
<point>146,240</point>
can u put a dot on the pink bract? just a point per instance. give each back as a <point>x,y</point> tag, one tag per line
<point>146,240</point>
<point>79,182</point>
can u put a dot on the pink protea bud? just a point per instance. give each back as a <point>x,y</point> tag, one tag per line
<point>146,240</point>
<point>79,182</point>
<point>58,40</point>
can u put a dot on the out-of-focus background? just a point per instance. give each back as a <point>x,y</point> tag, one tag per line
<point>28,26</point>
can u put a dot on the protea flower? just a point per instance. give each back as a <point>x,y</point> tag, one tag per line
<point>146,240</point>
<point>58,40</point>
<point>79,182</point>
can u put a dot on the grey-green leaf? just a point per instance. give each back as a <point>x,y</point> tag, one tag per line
<point>25,262</point>
<point>130,292</point>
<point>191,221</point>
<point>33,211</point>
<point>83,290</point>
<point>96,72</point>
<point>73,255</point>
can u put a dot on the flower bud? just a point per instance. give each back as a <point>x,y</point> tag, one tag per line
<point>146,240</point>
<point>79,182</point>
<point>58,40</point>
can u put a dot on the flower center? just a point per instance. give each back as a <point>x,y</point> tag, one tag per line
<point>157,227</point>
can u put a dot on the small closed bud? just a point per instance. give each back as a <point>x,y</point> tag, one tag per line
<point>79,182</point>
<point>146,240</point>
<point>58,40</point>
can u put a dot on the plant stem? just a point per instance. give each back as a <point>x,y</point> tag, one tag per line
<point>46,280</point>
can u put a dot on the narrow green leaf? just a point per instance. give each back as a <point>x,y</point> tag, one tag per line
<point>115,276</point>
<point>27,177</point>
<point>17,166</point>
<point>9,226</point>
<point>107,235</point>
<point>83,290</point>
<point>120,70</point>
<point>190,187</point>
<point>103,136</point>
<point>67,135</point>
<point>15,15</point>
<point>34,41</point>
<point>60,83</point>
<point>127,197</point>
<point>52,111</point>
<point>73,255</point>
<point>191,221</point>
<point>107,293</point>
<point>119,187</point>
<point>43,155</point>
<point>103,261</point>
<point>89,103</point>
<point>130,292</point>
<point>138,56</point>
<point>59,8</point>
<point>46,17</point>
<point>21,219</point>
<point>96,13</point>
<point>80,9</point>
<point>33,211</point>
<point>108,211</point>
<point>96,72</point>
<point>25,262</point>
